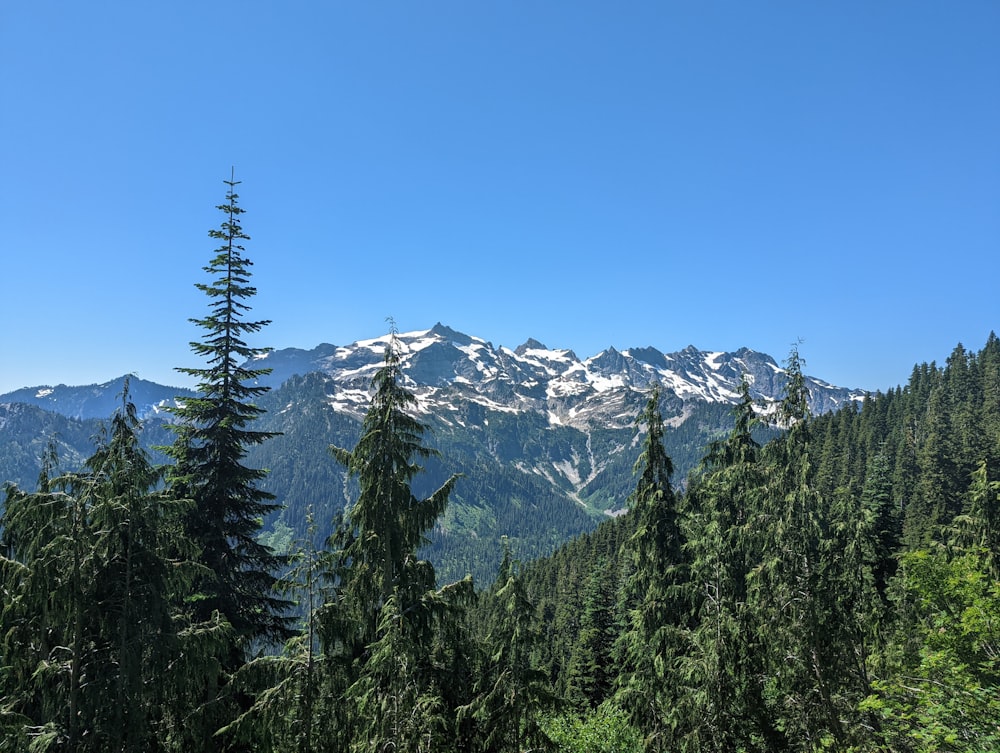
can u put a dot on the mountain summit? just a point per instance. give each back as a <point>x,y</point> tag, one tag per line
<point>445,368</point>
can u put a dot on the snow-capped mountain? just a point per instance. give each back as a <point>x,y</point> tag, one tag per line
<point>446,368</point>
<point>545,441</point>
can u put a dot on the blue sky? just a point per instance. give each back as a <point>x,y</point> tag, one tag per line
<point>589,174</point>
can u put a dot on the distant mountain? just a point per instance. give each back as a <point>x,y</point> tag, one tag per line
<point>545,441</point>
<point>441,361</point>
<point>98,400</point>
<point>26,430</point>
<point>445,368</point>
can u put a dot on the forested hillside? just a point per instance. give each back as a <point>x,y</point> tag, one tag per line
<point>825,582</point>
<point>834,589</point>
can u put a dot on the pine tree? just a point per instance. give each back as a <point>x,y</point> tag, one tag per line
<point>939,482</point>
<point>648,685</point>
<point>989,374</point>
<point>390,522</point>
<point>882,518</point>
<point>797,588</point>
<point>787,586</point>
<point>590,672</point>
<point>724,670</point>
<point>136,585</point>
<point>46,556</point>
<point>979,527</point>
<point>92,599</point>
<point>213,436</point>
<point>384,611</point>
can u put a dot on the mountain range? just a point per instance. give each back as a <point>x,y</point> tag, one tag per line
<point>545,440</point>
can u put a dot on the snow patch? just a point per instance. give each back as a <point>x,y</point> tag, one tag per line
<point>606,384</point>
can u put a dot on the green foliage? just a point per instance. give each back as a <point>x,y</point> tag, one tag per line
<point>389,521</point>
<point>512,693</point>
<point>89,620</point>
<point>833,589</point>
<point>591,672</point>
<point>400,693</point>
<point>657,589</point>
<point>213,437</point>
<point>979,527</point>
<point>604,730</point>
<point>383,616</point>
<point>724,669</point>
<point>800,638</point>
<point>289,711</point>
<point>940,684</point>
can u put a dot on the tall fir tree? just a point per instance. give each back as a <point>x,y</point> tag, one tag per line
<point>387,524</point>
<point>213,436</point>
<point>384,611</point>
<point>648,686</point>
<point>724,669</point>
<point>882,516</point>
<point>590,670</point>
<point>801,590</point>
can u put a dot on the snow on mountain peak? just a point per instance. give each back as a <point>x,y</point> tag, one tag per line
<point>448,370</point>
<point>441,363</point>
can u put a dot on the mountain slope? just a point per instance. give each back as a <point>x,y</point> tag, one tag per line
<point>98,400</point>
<point>545,441</point>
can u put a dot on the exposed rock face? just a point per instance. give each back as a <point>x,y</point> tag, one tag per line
<point>444,366</point>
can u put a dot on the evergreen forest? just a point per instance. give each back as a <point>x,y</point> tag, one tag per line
<point>832,587</point>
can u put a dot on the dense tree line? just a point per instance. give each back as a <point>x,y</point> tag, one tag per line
<point>818,583</point>
<point>840,588</point>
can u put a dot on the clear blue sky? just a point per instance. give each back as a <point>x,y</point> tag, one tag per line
<point>589,174</point>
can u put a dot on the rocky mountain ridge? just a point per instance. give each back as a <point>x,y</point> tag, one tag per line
<point>445,368</point>
<point>545,441</point>
<point>98,400</point>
